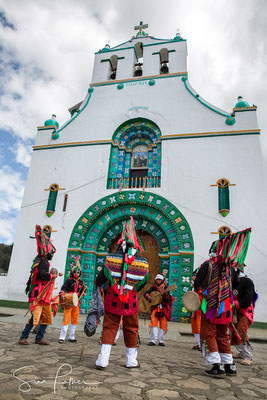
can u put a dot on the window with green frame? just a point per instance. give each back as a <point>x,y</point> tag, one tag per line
<point>135,157</point>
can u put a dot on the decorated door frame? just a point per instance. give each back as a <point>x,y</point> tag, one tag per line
<point>102,222</point>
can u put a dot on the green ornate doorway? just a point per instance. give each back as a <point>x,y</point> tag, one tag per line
<point>96,230</point>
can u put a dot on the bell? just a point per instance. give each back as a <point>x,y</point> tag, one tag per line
<point>113,74</point>
<point>164,68</point>
<point>138,71</point>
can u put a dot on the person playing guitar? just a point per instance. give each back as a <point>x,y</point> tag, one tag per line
<point>160,313</point>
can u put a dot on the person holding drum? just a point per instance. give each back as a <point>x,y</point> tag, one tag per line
<point>70,294</point>
<point>160,313</point>
<point>39,289</point>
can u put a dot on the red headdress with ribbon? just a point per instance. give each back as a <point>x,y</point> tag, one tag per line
<point>76,266</point>
<point>232,249</point>
<point>44,243</point>
<point>129,235</point>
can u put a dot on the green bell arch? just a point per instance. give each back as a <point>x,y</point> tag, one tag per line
<point>101,223</point>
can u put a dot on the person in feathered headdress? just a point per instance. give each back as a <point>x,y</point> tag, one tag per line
<point>214,278</point>
<point>127,273</point>
<point>73,284</point>
<point>39,289</point>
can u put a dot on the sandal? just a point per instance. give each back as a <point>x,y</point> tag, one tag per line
<point>246,362</point>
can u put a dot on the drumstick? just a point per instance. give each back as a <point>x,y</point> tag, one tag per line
<point>83,346</point>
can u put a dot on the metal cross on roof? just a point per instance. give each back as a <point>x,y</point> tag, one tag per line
<point>140,27</point>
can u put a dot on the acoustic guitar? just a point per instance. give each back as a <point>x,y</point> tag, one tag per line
<point>156,299</point>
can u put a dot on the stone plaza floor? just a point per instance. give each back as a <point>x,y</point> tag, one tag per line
<point>171,372</point>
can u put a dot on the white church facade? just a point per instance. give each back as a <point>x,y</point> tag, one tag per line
<point>144,143</point>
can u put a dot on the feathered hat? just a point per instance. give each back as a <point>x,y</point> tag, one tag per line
<point>76,267</point>
<point>232,249</point>
<point>44,243</point>
<point>129,235</point>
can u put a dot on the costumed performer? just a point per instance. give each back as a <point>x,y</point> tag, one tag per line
<point>127,273</point>
<point>161,313</point>
<point>73,284</point>
<point>244,303</point>
<point>39,289</point>
<point>195,318</point>
<point>215,280</point>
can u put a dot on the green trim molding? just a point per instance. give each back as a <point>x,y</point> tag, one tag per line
<point>56,135</point>
<point>163,137</point>
<point>101,224</point>
<point>259,325</point>
<point>129,80</point>
<point>144,45</point>
<point>230,120</point>
<point>14,304</point>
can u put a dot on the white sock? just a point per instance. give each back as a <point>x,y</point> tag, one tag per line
<point>154,334</point>
<point>161,335</point>
<point>226,358</point>
<point>212,358</point>
<point>131,357</point>
<point>72,331</point>
<point>197,337</point>
<point>103,356</point>
<point>63,332</point>
<point>245,350</point>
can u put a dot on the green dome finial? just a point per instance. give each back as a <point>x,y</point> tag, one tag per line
<point>51,121</point>
<point>241,103</point>
<point>178,36</point>
<point>106,48</point>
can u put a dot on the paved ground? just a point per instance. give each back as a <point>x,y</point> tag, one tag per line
<point>174,371</point>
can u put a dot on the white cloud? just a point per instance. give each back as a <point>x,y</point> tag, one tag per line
<point>11,189</point>
<point>23,153</point>
<point>11,192</point>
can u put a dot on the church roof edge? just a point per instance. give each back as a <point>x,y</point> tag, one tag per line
<point>131,44</point>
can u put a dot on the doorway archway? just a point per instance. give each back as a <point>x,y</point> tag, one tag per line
<point>100,224</point>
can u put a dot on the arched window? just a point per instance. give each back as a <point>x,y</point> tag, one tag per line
<point>164,61</point>
<point>139,166</point>
<point>138,66</point>
<point>113,66</point>
<point>135,158</point>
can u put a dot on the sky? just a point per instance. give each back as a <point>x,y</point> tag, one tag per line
<point>47,53</point>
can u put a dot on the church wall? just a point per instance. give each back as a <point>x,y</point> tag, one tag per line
<point>70,168</point>
<point>189,167</point>
<point>192,166</point>
<point>167,103</point>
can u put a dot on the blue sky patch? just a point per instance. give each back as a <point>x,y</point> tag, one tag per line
<point>4,22</point>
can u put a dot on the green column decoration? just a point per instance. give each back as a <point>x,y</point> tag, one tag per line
<point>223,200</point>
<point>52,199</point>
<point>223,196</point>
